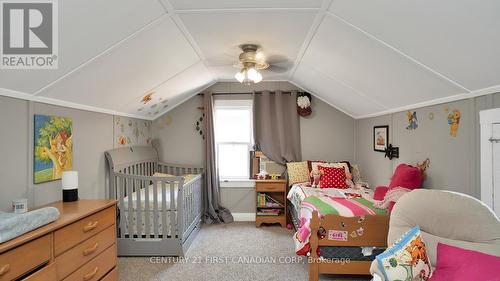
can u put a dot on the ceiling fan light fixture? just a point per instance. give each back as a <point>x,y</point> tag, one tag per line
<point>248,75</point>
<point>240,76</point>
<point>252,74</point>
<point>258,78</point>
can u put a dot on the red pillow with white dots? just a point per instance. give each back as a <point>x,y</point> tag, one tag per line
<point>332,177</point>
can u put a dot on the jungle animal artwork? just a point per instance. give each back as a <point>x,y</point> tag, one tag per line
<point>454,122</point>
<point>412,120</point>
<point>53,148</point>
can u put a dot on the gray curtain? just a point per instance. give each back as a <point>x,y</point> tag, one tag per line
<point>214,212</point>
<point>276,125</point>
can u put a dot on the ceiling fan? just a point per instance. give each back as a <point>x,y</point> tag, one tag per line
<point>252,61</point>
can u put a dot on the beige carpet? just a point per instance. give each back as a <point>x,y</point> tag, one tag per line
<point>236,251</point>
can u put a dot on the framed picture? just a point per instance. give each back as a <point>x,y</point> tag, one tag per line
<point>380,138</point>
<point>53,149</point>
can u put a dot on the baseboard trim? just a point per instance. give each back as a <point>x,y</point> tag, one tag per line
<point>244,216</point>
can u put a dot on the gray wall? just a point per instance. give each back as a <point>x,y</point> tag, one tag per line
<point>13,147</point>
<point>327,134</point>
<point>454,161</point>
<point>175,137</point>
<point>92,135</point>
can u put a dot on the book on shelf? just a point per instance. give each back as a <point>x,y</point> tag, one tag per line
<point>265,200</point>
<point>269,212</point>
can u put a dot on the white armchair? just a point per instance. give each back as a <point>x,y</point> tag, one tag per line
<point>443,216</point>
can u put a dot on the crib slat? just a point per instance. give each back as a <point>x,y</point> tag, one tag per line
<point>155,209</point>
<point>189,209</point>
<point>130,206</point>
<point>172,209</point>
<point>133,180</point>
<point>188,212</point>
<point>164,209</point>
<point>139,211</point>
<point>147,230</point>
<point>120,191</point>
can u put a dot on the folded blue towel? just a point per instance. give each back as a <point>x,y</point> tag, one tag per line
<point>14,225</point>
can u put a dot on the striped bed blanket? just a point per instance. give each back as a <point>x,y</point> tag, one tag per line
<point>325,205</point>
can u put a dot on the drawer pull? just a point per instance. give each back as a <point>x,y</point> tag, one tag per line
<point>90,226</point>
<point>90,250</point>
<point>4,269</point>
<point>90,275</point>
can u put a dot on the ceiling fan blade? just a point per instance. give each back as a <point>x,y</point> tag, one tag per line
<point>278,68</point>
<point>277,59</point>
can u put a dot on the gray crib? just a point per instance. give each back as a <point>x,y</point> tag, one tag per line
<point>157,215</point>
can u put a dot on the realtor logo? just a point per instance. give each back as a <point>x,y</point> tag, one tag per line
<point>29,34</point>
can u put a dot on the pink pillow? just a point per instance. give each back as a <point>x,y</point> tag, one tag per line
<point>406,176</point>
<point>380,192</point>
<point>455,263</point>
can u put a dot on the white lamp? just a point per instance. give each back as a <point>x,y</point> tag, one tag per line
<point>70,186</point>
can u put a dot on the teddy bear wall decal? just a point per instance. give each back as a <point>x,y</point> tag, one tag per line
<point>454,122</point>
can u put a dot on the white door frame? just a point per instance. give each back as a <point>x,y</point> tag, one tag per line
<point>487,119</point>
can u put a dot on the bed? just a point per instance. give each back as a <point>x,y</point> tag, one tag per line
<point>349,230</point>
<point>159,205</point>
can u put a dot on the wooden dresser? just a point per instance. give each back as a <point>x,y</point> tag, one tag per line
<point>79,245</point>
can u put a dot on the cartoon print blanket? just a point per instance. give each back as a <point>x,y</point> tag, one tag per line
<point>324,205</point>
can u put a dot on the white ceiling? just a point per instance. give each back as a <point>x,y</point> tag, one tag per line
<point>363,57</point>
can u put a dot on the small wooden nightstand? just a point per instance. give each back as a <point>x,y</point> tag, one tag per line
<point>275,193</point>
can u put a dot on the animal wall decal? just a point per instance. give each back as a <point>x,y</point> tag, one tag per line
<point>147,98</point>
<point>454,122</point>
<point>412,120</point>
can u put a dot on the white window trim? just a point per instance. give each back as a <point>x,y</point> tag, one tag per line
<point>233,183</point>
<point>236,104</point>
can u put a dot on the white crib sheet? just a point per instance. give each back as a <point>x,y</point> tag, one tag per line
<point>187,180</point>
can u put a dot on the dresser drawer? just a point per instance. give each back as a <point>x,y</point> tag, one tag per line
<point>24,258</point>
<point>111,276</point>
<point>76,232</point>
<point>48,273</point>
<point>96,268</point>
<point>74,258</point>
<point>270,187</point>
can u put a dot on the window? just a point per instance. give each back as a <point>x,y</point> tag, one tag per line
<point>233,137</point>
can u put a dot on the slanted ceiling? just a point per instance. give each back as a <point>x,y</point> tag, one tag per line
<point>363,57</point>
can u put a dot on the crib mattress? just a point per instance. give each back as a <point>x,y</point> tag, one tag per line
<point>150,190</point>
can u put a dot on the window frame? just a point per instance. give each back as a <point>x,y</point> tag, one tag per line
<point>235,104</point>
